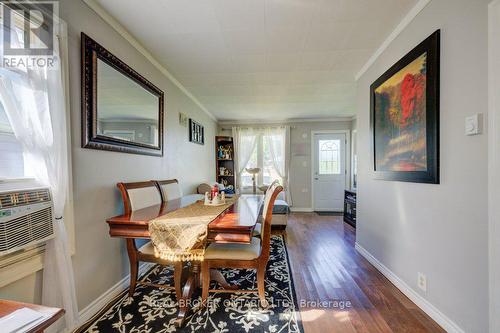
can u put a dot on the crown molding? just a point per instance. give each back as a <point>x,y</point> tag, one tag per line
<point>395,33</point>
<point>284,121</point>
<point>139,47</point>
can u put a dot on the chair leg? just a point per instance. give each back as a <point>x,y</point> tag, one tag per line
<point>178,268</point>
<point>261,275</point>
<point>205,273</point>
<point>134,265</point>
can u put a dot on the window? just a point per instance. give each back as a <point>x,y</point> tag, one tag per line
<point>329,157</point>
<point>11,151</point>
<point>246,178</point>
<point>268,155</point>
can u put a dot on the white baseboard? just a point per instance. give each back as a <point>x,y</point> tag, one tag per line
<point>301,210</point>
<point>440,318</point>
<point>93,308</point>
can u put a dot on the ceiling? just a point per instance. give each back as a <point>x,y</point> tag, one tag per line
<point>264,59</point>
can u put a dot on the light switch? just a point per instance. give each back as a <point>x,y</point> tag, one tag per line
<point>474,124</point>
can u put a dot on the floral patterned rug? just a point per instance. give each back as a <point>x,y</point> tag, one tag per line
<point>154,310</point>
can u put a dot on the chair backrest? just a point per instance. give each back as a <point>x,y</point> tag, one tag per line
<point>274,183</point>
<point>169,189</point>
<point>204,187</point>
<point>269,189</point>
<point>269,200</point>
<point>139,195</point>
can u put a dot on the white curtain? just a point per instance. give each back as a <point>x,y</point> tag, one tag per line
<point>278,140</point>
<point>245,141</point>
<point>34,102</point>
<point>288,159</point>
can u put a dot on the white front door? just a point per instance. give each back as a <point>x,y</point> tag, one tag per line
<point>329,171</point>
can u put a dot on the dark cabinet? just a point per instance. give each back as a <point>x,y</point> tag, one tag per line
<point>350,207</point>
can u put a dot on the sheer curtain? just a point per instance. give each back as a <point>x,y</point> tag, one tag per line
<point>34,103</point>
<point>245,141</point>
<point>277,139</point>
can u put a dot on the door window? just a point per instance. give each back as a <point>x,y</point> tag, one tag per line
<point>329,157</point>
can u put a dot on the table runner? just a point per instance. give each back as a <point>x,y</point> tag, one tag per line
<point>181,234</point>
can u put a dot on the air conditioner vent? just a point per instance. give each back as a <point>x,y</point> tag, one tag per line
<point>26,229</point>
<point>15,199</point>
<point>26,216</point>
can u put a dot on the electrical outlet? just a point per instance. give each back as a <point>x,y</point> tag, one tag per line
<point>422,281</point>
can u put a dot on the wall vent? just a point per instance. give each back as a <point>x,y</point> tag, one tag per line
<point>26,219</point>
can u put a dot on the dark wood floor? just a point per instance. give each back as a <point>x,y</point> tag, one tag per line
<point>326,267</point>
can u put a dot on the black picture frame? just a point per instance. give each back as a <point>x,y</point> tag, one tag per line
<point>431,46</point>
<point>196,132</point>
<point>91,51</point>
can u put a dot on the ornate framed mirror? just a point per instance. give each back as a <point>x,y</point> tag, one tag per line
<point>121,110</point>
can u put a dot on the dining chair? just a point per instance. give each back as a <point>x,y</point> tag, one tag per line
<point>257,231</point>
<point>169,189</point>
<point>136,196</point>
<point>243,256</point>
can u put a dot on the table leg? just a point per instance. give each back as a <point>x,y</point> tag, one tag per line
<point>193,282</point>
<point>184,302</point>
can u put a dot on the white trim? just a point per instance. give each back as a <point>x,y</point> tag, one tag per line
<point>347,152</point>
<point>301,209</point>
<point>395,33</point>
<point>446,323</point>
<point>138,46</point>
<point>100,302</point>
<point>354,144</point>
<point>284,121</point>
<point>493,163</point>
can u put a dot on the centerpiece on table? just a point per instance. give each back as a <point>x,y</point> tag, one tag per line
<point>215,197</point>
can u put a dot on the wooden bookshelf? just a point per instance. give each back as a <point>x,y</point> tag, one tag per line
<point>226,162</point>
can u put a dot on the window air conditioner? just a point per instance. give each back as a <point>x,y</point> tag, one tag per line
<point>26,215</point>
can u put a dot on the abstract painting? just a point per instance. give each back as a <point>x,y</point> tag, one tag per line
<point>405,117</point>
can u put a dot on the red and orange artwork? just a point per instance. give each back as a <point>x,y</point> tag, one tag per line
<point>400,119</point>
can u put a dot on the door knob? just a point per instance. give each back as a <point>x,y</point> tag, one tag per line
<point>316,178</point>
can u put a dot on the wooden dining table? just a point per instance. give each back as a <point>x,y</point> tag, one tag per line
<point>234,225</point>
<point>51,314</point>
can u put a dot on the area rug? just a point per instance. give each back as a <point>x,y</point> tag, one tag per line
<point>154,310</point>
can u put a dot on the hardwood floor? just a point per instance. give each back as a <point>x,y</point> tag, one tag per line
<point>327,268</point>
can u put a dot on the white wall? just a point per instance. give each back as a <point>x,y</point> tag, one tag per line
<point>440,230</point>
<point>494,163</point>
<point>101,261</point>
<point>300,161</point>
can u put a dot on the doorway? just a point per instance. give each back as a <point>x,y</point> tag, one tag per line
<point>329,170</point>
